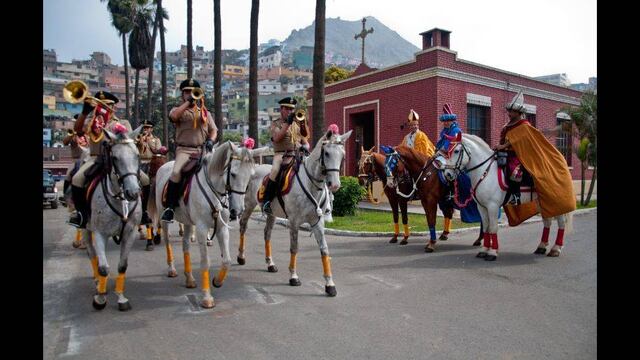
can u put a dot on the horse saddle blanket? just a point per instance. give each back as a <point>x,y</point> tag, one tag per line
<point>93,184</point>
<point>285,177</point>
<point>184,189</point>
<point>156,163</point>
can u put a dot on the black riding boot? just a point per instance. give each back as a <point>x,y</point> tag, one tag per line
<point>172,201</point>
<point>81,216</point>
<point>145,199</point>
<point>269,194</point>
<point>514,189</point>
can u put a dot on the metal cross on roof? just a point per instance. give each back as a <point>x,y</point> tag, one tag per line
<point>362,35</point>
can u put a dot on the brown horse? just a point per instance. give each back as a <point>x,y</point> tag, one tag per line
<point>371,168</point>
<point>421,171</point>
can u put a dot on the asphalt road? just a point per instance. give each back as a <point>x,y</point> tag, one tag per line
<point>394,302</point>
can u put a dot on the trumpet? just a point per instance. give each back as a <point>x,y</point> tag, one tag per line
<point>300,116</point>
<point>76,91</point>
<point>197,93</point>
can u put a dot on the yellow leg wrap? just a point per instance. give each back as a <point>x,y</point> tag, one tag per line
<point>406,230</point>
<point>222,274</point>
<point>292,262</point>
<point>205,280</point>
<point>187,262</point>
<point>169,253</point>
<point>396,228</point>
<point>94,266</point>
<point>241,247</point>
<point>326,265</point>
<point>102,284</point>
<point>78,235</point>
<point>149,233</point>
<point>267,248</point>
<point>447,224</point>
<point>160,230</point>
<point>93,239</point>
<point>120,283</point>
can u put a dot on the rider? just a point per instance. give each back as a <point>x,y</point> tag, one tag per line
<point>77,141</point>
<point>148,145</point>
<point>286,136</point>
<point>102,117</point>
<point>449,132</point>
<point>417,139</point>
<point>194,126</point>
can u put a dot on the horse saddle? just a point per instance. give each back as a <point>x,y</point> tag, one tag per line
<point>284,180</point>
<point>186,175</point>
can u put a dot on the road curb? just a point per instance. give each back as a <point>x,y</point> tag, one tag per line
<point>328,231</point>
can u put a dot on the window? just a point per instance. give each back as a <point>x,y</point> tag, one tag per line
<point>531,118</point>
<point>477,121</point>
<point>563,141</point>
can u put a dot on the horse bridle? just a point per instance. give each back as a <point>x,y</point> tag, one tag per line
<point>228,187</point>
<point>120,177</point>
<point>416,181</point>
<point>371,176</point>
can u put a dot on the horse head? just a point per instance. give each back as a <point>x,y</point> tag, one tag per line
<point>238,173</point>
<point>458,157</point>
<point>330,152</point>
<point>366,165</point>
<point>124,158</point>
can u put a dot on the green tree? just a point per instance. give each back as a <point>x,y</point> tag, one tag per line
<point>265,138</point>
<point>160,12</point>
<point>335,73</point>
<point>163,61</point>
<point>140,49</point>
<point>232,136</point>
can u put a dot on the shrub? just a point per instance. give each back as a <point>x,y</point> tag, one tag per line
<point>347,197</point>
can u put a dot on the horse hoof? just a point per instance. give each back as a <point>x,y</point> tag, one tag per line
<point>215,285</point>
<point>191,284</point>
<point>126,306</point>
<point>272,269</point>
<point>443,237</point>
<point>330,290</point>
<point>157,239</point>
<point>82,245</point>
<point>428,249</point>
<point>97,305</point>
<point>172,273</point>
<point>207,303</point>
<point>393,240</point>
<point>541,251</point>
<point>477,242</point>
<point>553,253</point>
<point>116,239</point>
<point>180,232</point>
<point>241,261</point>
<point>490,257</point>
<point>295,282</point>
<point>209,243</point>
<point>481,254</point>
<point>149,247</point>
<point>76,245</point>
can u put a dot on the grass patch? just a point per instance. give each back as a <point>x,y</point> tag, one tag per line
<point>382,221</point>
<point>591,204</point>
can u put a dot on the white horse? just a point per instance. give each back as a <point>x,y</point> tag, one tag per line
<point>216,196</point>
<point>115,211</point>
<point>308,201</point>
<point>473,156</point>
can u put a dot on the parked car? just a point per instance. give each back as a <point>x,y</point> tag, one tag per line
<point>49,190</point>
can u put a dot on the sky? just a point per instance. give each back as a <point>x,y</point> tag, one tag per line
<point>533,38</point>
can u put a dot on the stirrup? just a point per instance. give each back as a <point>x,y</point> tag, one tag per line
<point>167,215</point>
<point>515,200</point>
<point>266,208</point>
<point>77,221</point>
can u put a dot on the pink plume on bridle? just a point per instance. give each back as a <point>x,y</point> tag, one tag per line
<point>119,129</point>
<point>334,129</point>
<point>249,143</point>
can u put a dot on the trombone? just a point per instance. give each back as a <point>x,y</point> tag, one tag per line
<point>76,91</point>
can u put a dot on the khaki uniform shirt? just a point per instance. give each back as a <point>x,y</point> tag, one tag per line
<point>285,143</point>
<point>186,134</point>
<point>148,146</point>
<point>95,141</point>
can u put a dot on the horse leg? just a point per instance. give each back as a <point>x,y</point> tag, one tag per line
<point>77,243</point>
<point>330,286</point>
<point>480,237</point>
<point>393,202</point>
<point>484,221</point>
<point>180,229</point>
<point>405,221</point>
<point>432,208</point>
<point>492,213</point>
<point>223,240</point>
<point>557,248</point>
<point>91,251</point>
<point>271,266</point>
<point>127,241</point>
<point>293,250</point>
<point>157,238</point>
<point>448,215</point>
<point>544,241</point>
<point>149,246</point>
<point>244,220</point>
<point>170,261</point>
<point>190,282</point>
<point>100,298</point>
<point>201,235</point>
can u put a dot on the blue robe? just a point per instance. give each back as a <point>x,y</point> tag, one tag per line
<point>451,131</point>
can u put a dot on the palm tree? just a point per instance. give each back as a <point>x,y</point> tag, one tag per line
<point>253,71</point>
<point>189,42</point>
<point>122,15</point>
<point>318,73</point>
<point>163,62</point>
<point>217,68</point>
<point>156,21</point>
<point>139,48</point>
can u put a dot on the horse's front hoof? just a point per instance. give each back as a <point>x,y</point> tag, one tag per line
<point>272,269</point>
<point>209,242</point>
<point>443,237</point>
<point>157,239</point>
<point>477,242</point>
<point>295,282</point>
<point>553,253</point>
<point>191,284</point>
<point>429,248</point>
<point>241,261</point>
<point>97,305</point>
<point>541,251</point>
<point>404,241</point>
<point>75,244</point>
<point>490,257</point>
<point>215,284</point>
<point>207,303</point>
<point>125,306</point>
<point>116,239</point>
<point>393,240</point>
<point>149,247</point>
<point>172,273</point>
<point>481,254</point>
<point>331,291</point>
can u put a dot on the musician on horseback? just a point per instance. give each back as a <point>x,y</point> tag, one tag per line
<point>101,116</point>
<point>77,141</point>
<point>194,126</point>
<point>148,145</point>
<point>287,135</point>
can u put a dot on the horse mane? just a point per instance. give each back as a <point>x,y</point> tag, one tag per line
<point>478,141</point>
<point>218,159</point>
<point>411,155</point>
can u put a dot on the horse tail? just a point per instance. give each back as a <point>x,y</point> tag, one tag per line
<point>568,224</point>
